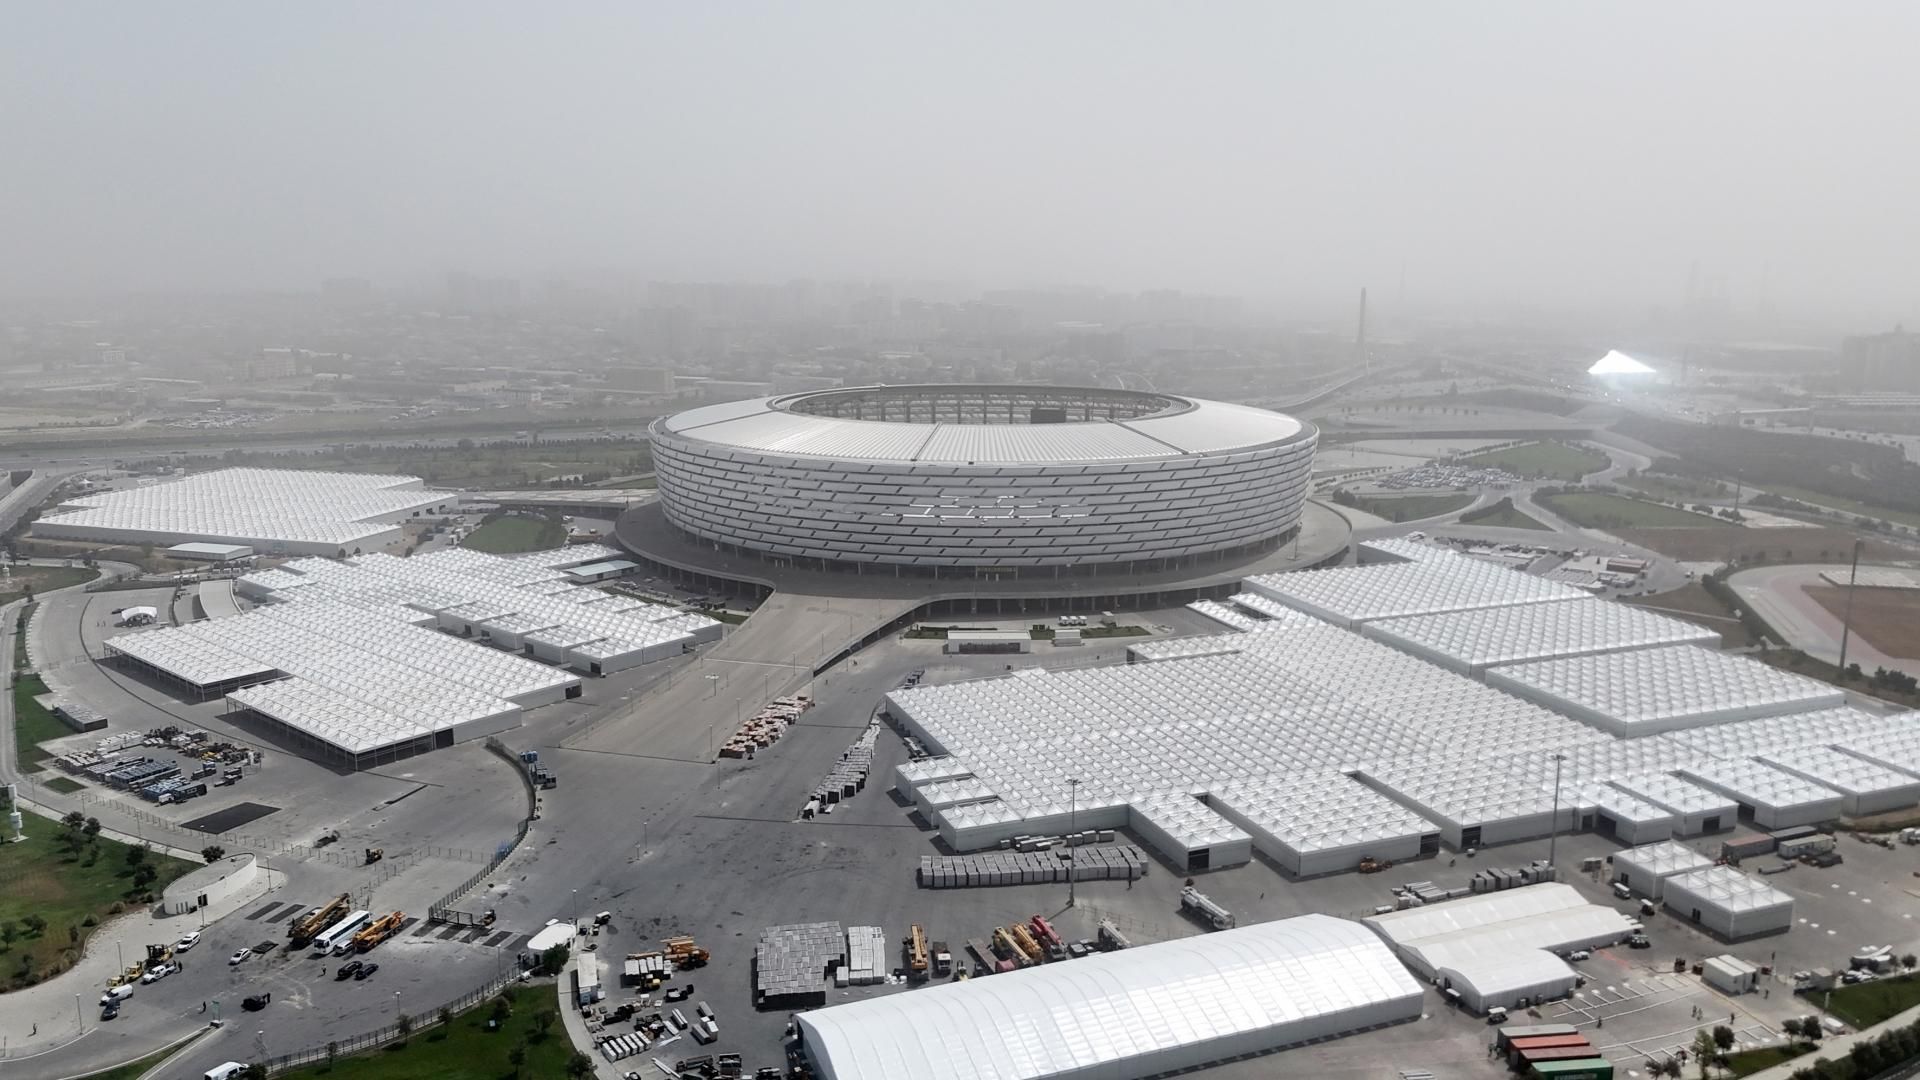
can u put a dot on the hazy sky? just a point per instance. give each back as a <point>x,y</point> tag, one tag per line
<point>1552,153</point>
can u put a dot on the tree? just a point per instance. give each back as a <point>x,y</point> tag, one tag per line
<point>1704,1051</point>
<point>579,1066</point>
<point>213,853</point>
<point>446,1018</point>
<point>136,855</point>
<point>9,930</point>
<point>502,1008</point>
<point>405,1024</point>
<point>554,960</point>
<point>1909,961</point>
<point>74,820</point>
<point>92,829</point>
<point>517,1057</point>
<point>542,1024</point>
<point>36,924</point>
<point>254,1071</point>
<point>144,875</point>
<point>1723,1037</point>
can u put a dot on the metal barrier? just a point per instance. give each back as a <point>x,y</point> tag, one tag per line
<point>442,909</point>
<point>418,1023</point>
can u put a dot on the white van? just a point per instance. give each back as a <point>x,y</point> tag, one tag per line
<point>226,1072</point>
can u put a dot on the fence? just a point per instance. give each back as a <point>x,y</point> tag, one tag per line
<point>443,909</point>
<point>417,1024</point>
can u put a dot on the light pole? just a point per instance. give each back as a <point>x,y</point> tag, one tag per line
<point>1073,850</point>
<point>1846,622</point>
<point>713,688</point>
<point>1553,834</point>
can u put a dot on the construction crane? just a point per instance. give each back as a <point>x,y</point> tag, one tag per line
<point>303,930</point>
<point>917,951</point>
<point>378,931</point>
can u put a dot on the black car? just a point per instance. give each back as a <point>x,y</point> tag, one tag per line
<point>110,1010</point>
<point>347,970</point>
<point>365,970</point>
<point>256,1002</point>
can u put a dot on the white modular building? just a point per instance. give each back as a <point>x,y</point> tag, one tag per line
<point>1498,948</point>
<point>1629,819</point>
<point>1646,869</point>
<point>1723,901</point>
<point>1191,837</point>
<point>273,511</point>
<point>203,552</point>
<point>1473,641</point>
<point>1824,727</point>
<point>1226,616</point>
<point>1312,825</point>
<point>1663,689</point>
<point>1350,595</point>
<point>1147,1011</point>
<point>1774,798</point>
<point>1696,809</point>
<point>1865,787</point>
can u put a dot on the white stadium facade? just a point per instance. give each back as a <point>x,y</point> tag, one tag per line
<point>946,480</point>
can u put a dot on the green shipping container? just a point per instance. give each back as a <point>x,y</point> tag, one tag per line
<point>1581,1069</point>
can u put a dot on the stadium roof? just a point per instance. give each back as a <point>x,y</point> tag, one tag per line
<point>1618,363</point>
<point>1298,977</point>
<point>1188,426</point>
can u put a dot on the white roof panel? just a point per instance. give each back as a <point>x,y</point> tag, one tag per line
<point>1301,974</point>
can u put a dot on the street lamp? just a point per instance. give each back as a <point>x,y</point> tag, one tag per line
<point>1553,835</point>
<point>1846,622</point>
<point>1073,813</point>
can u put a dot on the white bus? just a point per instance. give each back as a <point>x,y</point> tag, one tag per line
<point>339,933</point>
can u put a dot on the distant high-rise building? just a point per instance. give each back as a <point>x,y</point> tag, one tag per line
<point>1889,361</point>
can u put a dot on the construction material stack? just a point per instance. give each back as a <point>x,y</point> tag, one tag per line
<point>791,962</point>
<point>766,727</point>
<point>866,957</point>
<point>1121,862</point>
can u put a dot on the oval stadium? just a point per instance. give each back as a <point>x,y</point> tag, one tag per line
<point>967,479</point>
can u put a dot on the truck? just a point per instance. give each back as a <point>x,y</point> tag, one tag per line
<point>303,929</point>
<point>916,943</point>
<point>1049,938</point>
<point>942,960</point>
<point>1007,950</point>
<point>1204,908</point>
<point>1025,941</point>
<point>339,936</point>
<point>1110,937</point>
<point>378,931</point>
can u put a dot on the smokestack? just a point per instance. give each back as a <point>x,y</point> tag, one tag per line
<point>1360,335</point>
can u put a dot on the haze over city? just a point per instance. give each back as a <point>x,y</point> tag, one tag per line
<point>1494,157</point>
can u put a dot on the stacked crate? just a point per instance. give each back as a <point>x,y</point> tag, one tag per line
<point>791,961</point>
<point>1123,862</point>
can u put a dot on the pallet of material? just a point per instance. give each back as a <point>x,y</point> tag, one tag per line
<point>1122,862</point>
<point>794,959</point>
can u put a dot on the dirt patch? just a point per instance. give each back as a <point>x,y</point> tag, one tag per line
<point>1693,603</point>
<point>1711,544</point>
<point>1888,618</point>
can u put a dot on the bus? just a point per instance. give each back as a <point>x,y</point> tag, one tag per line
<point>340,934</point>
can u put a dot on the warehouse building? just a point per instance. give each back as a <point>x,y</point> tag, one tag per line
<point>1500,949</point>
<point>1645,869</point>
<point>1351,595</point>
<point>1146,1011</point>
<point>1473,641</point>
<point>1771,798</point>
<point>1865,787</point>
<point>1728,903</point>
<point>273,511</point>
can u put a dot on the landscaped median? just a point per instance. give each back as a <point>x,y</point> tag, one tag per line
<point>517,1034</point>
<point>60,882</point>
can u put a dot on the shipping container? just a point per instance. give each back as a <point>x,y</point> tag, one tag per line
<point>1518,1047</point>
<point>1746,845</point>
<point>1506,1035</point>
<point>1583,1069</point>
<point>1531,1058</point>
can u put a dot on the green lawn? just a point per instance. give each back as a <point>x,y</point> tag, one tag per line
<point>467,1050</point>
<point>1501,515</point>
<point>1674,488</point>
<point>1866,1004</point>
<point>32,723</point>
<point>65,785</point>
<point>512,535</point>
<point>43,579</point>
<point>132,1070</point>
<point>1551,460</point>
<point>1601,511</point>
<point>43,879</point>
<point>1412,507</point>
<point>1851,506</point>
<point>1748,1062</point>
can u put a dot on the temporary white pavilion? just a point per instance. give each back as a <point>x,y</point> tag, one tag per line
<point>1727,902</point>
<point>1497,948</point>
<point>1645,869</point>
<point>1145,1011</point>
<point>1320,745</point>
<point>1473,641</point>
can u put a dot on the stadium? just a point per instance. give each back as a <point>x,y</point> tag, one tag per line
<point>984,481</point>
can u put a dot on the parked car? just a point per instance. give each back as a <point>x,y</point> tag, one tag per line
<point>187,941</point>
<point>110,1010</point>
<point>159,971</point>
<point>365,970</point>
<point>239,957</point>
<point>256,1002</point>
<point>347,970</point>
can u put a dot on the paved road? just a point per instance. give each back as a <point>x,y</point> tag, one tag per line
<point>1776,594</point>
